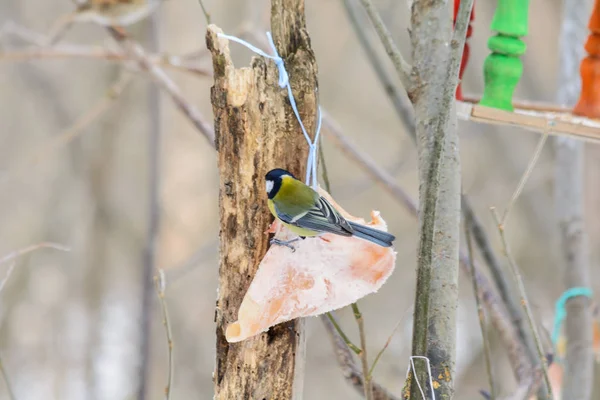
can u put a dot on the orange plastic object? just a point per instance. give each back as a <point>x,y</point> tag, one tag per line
<point>465,55</point>
<point>589,101</point>
<point>321,275</point>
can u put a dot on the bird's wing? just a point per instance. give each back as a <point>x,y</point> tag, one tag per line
<point>322,217</point>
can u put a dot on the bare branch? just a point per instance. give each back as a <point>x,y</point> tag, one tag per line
<point>178,63</point>
<point>164,82</point>
<point>9,389</point>
<point>69,50</point>
<point>401,104</point>
<point>348,367</point>
<point>481,314</point>
<point>367,383</point>
<point>402,67</point>
<point>9,257</point>
<point>513,306</point>
<point>525,177</point>
<point>569,193</point>
<point>199,256</point>
<point>333,131</point>
<point>153,219</point>
<point>524,302</point>
<point>29,249</point>
<point>78,127</point>
<point>9,272</point>
<point>160,285</point>
<point>363,354</point>
<point>206,13</point>
<point>385,346</point>
<point>343,335</point>
<point>502,324</point>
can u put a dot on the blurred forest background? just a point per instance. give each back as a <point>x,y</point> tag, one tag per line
<point>70,322</point>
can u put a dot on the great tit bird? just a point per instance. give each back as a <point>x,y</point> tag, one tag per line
<point>304,212</point>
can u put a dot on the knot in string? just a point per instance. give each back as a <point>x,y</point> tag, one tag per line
<point>284,78</point>
<point>284,82</point>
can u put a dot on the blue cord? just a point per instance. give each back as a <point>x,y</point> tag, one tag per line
<point>284,81</point>
<point>561,312</point>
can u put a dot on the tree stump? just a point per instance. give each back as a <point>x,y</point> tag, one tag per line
<point>256,131</point>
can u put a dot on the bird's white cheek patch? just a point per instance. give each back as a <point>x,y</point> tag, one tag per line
<point>269,186</point>
<point>323,274</point>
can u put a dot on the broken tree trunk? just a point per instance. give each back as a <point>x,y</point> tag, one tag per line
<point>256,131</point>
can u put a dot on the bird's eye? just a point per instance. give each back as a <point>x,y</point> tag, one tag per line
<point>269,186</point>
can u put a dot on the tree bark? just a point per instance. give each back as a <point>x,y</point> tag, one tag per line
<point>436,58</point>
<point>579,360</point>
<point>256,131</point>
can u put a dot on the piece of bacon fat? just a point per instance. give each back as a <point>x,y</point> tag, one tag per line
<point>323,274</point>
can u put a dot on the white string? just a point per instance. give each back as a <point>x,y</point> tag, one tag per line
<point>412,363</point>
<point>284,81</point>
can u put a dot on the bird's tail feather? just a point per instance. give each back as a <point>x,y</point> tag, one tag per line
<point>373,235</point>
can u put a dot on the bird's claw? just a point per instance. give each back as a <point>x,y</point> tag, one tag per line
<point>285,243</point>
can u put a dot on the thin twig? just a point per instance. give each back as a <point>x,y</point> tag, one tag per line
<point>153,217</point>
<point>501,322</point>
<point>25,34</point>
<point>402,67</point>
<point>77,128</point>
<point>60,27</point>
<point>177,63</point>
<point>9,388</point>
<point>343,335</point>
<point>346,362</point>
<point>385,346</point>
<point>481,314</point>
<point>524,301</point>
<point>29,249</point>
<point>206,13</point>
<point>333,131</point>
<point>8,274</point>
<point>500,278</point>
<point>525,177</point>
<point>6,258</point>
<point>165,83</point>
<point>323,166</point>
<point>363,354</point>
<point>70,50</point>
<point>160,284</point>
<point>368,389</point>
<point>401,104</point>
<point>180,270</point>
<point>367,386</point>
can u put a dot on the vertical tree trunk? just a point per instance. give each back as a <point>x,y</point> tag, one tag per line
<point>579,365</point>
<point>256,131</point>
<point>152,234</point>
<point>436,74</point>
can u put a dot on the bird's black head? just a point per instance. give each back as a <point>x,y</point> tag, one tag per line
<point>273,179</point>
